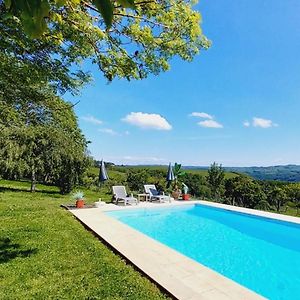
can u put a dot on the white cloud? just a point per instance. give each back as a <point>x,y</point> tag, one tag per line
<point>201,115</point>
<point>263,123</point>
<point>92,120</point>
<point>143,159</point>
<point>210,124</point>
<point>246,124</point>
<point>108,131</point>
<point>147,121</point>
<point>126,132</point>
<point>137,159</point>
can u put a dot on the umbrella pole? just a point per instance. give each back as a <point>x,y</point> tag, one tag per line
<point>99,186</point>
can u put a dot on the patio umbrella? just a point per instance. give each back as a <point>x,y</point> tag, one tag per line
<point>102,173</point>
<point>170,175</point>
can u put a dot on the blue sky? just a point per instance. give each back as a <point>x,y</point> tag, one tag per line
<point>247,84</point>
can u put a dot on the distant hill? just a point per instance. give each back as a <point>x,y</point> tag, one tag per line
<point>290,173</point>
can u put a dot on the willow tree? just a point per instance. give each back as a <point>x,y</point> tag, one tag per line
<point>41,141</point>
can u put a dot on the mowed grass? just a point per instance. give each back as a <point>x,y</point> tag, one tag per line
<point>45,253</point>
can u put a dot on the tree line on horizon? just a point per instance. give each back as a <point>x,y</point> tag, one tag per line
<point>240,189</point>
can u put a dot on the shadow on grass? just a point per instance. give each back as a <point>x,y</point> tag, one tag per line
<point>22,189</point>
<point>10,251</point>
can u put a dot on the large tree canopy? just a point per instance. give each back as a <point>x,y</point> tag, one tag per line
<point>138,42</point>
<point>41,141</point>
<point>39,135</point>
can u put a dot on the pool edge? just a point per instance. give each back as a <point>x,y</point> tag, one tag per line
<point>181,276</point>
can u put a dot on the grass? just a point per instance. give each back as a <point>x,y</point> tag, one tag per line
<point>46,254</point>
<point>120,171</point>
<point>199,171</point>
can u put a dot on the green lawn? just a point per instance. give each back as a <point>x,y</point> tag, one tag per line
<point>120,171</point>
<point>45,253</point>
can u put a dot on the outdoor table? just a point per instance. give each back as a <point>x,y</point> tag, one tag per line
<point>144,196</point>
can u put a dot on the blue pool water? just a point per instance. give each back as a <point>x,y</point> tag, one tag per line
<point>259,253</point>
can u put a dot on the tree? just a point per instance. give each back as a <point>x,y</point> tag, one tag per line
<point>278,198</point>
<point>33,72</point>
<point>42,142</point>
<point>197,185</point>
<point>215,179</point>
<point>246,192</point>
<point>139,41</point>
<point>293,194</point>
<point>29,68</point>
<point>136,179</point>
<point>34,13</point>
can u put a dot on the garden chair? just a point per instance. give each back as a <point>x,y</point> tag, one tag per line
<point>154,195</point>
<point>120,195</point>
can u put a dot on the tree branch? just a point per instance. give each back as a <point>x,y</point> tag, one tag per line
<point>142,19</point>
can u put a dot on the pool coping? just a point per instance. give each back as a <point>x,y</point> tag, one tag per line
<point>176,273</point>
<point>253,212</point>
<point>248,211</point>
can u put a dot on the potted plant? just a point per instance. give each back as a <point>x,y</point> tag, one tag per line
<point>185,189</point>
<point>79,197</point>
<point>177,174</point>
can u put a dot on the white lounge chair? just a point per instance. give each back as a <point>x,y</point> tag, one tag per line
<point>120,195</point>
<point>154,194</point>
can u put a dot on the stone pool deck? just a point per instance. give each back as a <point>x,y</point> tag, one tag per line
<point>181,276</point>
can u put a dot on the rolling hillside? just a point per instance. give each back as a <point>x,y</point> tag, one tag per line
<point>290,173</point>
<point>194,170</point>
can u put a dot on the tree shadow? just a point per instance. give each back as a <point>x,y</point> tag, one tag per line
<point>10,251</point>
<point>21,189</point>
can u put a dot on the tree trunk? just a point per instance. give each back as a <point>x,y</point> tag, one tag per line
<point>33,180</point>
<point>278,206</point>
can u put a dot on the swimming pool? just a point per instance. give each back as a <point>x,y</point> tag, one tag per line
<point>259,253</point>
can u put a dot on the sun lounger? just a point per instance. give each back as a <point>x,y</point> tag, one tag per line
<point>120,195</point>
<point>154,195</point>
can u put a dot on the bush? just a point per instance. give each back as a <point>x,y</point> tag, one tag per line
<point>197,184</point>
<point>136,179</point>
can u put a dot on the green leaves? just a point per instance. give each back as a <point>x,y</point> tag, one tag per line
<point>7,3</point>
<point>215,178</point>
<point>106,9</point>
<point>127,3</point>
<point>32,14</point>
<point>142,40</point>
<point>60,3</point>
<point>178,172</point>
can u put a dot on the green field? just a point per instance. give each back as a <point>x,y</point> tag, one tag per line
<point>120,170</point>
<point>45,253</point>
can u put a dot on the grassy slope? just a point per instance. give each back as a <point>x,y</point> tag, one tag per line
<point>46,253</point>
<point>115,173</point>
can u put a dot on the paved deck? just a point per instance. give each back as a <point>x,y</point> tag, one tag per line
<point>181,276</point>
